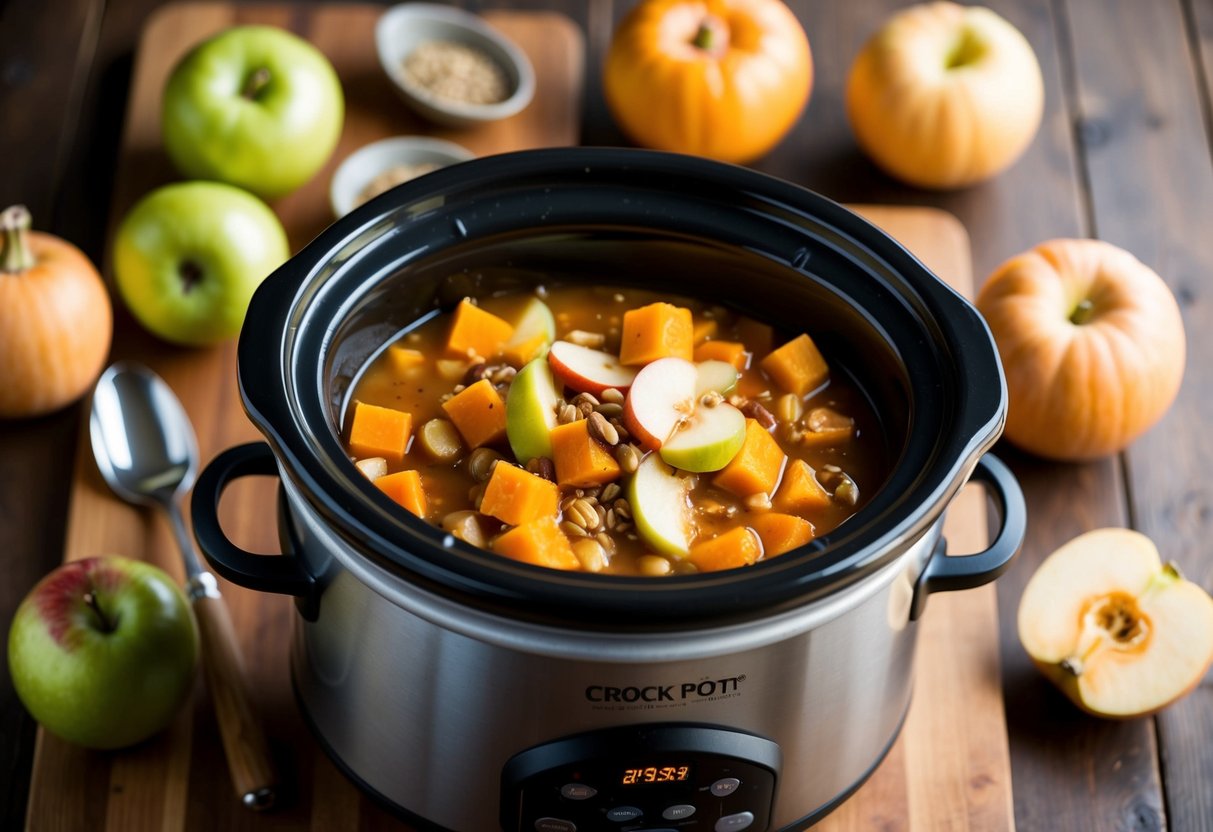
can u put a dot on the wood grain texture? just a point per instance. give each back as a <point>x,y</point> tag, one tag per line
<point>1143,132</point>
<point>177,781</point>
<point>45,58</point>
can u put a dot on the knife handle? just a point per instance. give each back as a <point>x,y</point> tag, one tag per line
<point>244,741</point>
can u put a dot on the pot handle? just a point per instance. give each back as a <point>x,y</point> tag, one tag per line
<point>284,574</point>
<point>944,573</point>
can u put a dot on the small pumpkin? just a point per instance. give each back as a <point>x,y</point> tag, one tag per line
<point>944,95</point>
<point>1092,343</point>
<point>725,79</point>
<point>55,319</point>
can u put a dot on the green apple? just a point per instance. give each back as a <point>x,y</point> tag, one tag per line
<point>254,106</point>
<point>536,319</point>
<point>720,376</point>
<point>530,411</point>
<point>188,257</point>
<point>658,498</point>
<point>706,441</point>
<point>102,651</point>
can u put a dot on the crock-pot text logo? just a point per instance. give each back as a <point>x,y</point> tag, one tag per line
<point>699,690</point>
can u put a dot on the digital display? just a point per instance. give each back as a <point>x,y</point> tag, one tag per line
<point>667,773</point>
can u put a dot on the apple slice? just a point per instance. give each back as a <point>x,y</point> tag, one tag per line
<point>536,325</point>
<point>588,371</point>
<point>662,395</point>
<point>720,376</point>
<point>707,441</point>
<point>1119,633</point>
<point>660,507</point>
<point>530,411</point>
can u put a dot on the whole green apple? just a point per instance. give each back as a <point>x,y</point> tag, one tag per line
<point>254,106</point>
<point>188,257</point>
<point>102,651</point>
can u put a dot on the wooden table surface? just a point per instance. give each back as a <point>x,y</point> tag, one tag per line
<point>1124,154</point>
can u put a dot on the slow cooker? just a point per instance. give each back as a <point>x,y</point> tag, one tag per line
<point>470,692</point>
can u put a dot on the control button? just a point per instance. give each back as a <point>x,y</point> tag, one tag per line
<point>577,791</point>
<point>678,812</point>
<point>724,787</point>
<point>734,823</point>
<point>558,825</point>
<point>622,814</point>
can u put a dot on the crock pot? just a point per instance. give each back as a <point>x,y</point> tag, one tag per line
<point>470,692</point>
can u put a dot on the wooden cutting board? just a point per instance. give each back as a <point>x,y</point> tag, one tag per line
<point>950,768</point>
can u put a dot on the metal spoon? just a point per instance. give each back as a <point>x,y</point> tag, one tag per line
<point>145,448</point>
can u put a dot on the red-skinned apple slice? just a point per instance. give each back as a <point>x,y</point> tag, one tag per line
<point>588,371</point>
<point>662,395</point>
<point>707,441</point>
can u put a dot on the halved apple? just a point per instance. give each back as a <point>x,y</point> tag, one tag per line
<point>587,370</point>
<point>707,441</point>
<point>1121,634</point>
<point>530,411</point>
<point>720,376</point>
<point>660,507</point>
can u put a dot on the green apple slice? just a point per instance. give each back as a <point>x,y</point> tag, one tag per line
<point>536,319</point>
<point>658,497</point>
<point>720,376</point>
<point>708,440</point>
<point>530,411</point>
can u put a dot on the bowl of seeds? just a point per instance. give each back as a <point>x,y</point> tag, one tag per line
<point>450,66</point>
<point>380,166</point>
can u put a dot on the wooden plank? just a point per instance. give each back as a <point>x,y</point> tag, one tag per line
<point>1059,759</point>
<point>45,60</point>
<point>1146,148</point>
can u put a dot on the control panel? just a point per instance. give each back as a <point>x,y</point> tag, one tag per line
<point>646,778</point>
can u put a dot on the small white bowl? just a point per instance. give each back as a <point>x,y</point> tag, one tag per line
<point>368,161</point>
<point>403,28</point>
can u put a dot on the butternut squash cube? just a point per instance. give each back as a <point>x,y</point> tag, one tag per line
<point>756,467</point>
<point>539,542</point>
<point>580,459</point>
<point>478,413</point>
<point>379,431</point>
<point>516,496</point>
<point>781,532</point>
<point>800,491</point>
<point>736,547</point>
<point>405,360</point>
<point>797,366</point>
<point>476,332</point>
<point>704,329</point>
<point>659,330</point>
<point>730,351</point>
<point>405,488</point>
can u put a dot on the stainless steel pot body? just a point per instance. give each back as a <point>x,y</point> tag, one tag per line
<point>424,701</point>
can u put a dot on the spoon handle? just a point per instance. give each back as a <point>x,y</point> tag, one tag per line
<point>244,742</point>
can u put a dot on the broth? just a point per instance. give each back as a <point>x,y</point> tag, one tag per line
<point>849,464</point>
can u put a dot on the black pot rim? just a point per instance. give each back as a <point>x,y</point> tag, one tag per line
<point>285,400</point>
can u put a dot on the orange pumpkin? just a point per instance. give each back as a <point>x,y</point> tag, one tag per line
<point>719,78</point>
<point>944,95</point>
<point>1092,343</point>
<point>55,320</point>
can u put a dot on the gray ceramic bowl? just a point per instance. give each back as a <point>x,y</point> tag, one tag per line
<point>403,28</point>
<point>367,162</point>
